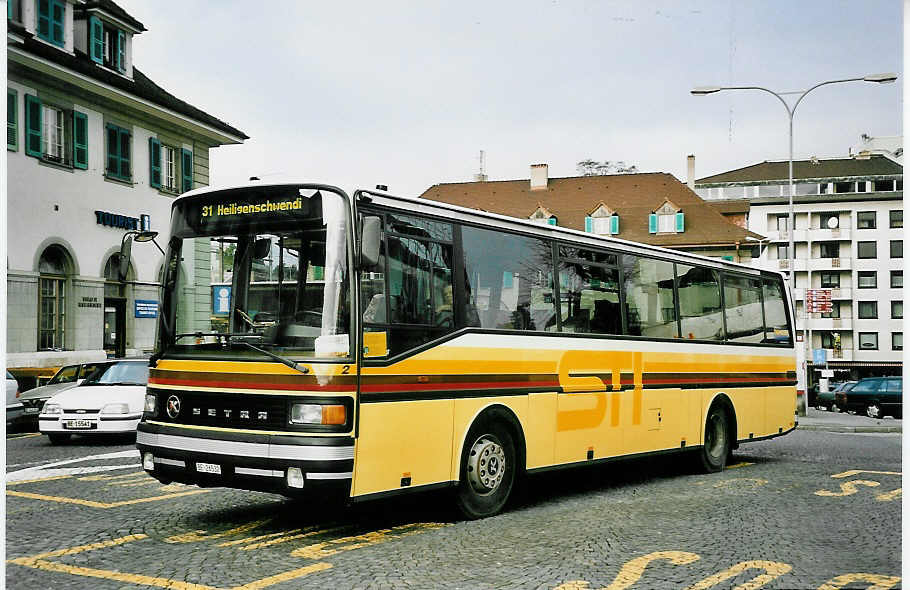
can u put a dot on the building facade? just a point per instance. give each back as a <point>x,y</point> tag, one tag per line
<point>95,149</point>
<point>848,238</point>
<point>653,208</point>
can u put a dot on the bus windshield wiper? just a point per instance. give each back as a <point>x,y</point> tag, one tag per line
<point>285,361</point>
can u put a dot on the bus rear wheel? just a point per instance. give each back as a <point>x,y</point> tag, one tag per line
<point>487,470</point>
<point>717,446</point>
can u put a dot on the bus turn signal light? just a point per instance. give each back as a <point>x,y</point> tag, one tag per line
<point>333,415</point>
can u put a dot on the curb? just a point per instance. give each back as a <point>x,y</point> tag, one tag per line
<point>853,429</point>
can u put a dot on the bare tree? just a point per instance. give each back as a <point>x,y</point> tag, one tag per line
<point>589,167</point>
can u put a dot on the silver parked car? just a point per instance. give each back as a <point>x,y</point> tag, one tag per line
<point>14,408</point>
<point>65,378</point>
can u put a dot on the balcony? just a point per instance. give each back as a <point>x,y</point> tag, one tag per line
<point>784,264</point>
<point>784,236</point>
<point>825,234</point>
<point>818,264</point>
<point>817,322</point>
<point>839,355</point>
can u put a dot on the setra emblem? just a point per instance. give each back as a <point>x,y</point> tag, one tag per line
<point>173,406</point>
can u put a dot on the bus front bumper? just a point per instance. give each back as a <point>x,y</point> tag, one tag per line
<point>282,464</point>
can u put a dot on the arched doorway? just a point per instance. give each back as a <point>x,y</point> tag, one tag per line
<point>54,268</point>
<point>115,299</point>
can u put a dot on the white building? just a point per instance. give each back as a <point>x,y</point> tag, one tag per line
<point>94,149</point>
<point>848,238</point>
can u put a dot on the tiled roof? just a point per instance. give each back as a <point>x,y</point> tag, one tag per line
<point>112,9</point>
<point>140,86</point>
<point>632,196</point>
<point>730,206</point>
<point>875,165</point>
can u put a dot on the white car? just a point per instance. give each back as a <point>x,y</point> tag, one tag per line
<point>109,401</point>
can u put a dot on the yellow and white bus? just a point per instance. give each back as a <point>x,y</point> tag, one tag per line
<point>367,346</point>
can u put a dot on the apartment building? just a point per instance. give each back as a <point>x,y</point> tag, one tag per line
<point>95,149</point>
<point>848,238</point>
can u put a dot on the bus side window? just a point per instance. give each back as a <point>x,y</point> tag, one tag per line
<point>650,306</point>
<point>743,309</point>
<point>699,303</point>
<point>590,299</point>
<point>777,329</point>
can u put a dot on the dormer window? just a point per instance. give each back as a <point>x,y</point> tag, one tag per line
<point>667,219</point>
<point>51,18</point>
<point>107,44</point>
<point>603,221</point>
<point>543,216</point>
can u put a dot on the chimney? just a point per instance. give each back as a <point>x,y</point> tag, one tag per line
<point>690,161</point>
<point>538,176</point>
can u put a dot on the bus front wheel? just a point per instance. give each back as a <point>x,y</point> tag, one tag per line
<point>716,449</point>
<point>487,469</point>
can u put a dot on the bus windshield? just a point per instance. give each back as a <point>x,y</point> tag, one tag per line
<point>258,269</point>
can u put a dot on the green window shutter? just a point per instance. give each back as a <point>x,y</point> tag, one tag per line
<point>154,162</point>
<point>121,51</point>
<point>113,150</point>
<point>552,221</point>
<point>32,126</point>
<point>318,273</point>
<point>507,280</point>
<point>125,139</point>
<point>44,19</point>
<point>12,120</point>
<point>680,222</point>
<point>652,223</point>
<point>187,169</point>
<point>589,224</point>
<point>727,258</point>
<point>58,16</point>
<point>614,224</point>
<point>96,39</point>
<point>80,140</point>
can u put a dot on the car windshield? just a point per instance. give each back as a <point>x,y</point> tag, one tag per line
<point>65,375</point>
<point>266,267</point>
<point>134,373</point>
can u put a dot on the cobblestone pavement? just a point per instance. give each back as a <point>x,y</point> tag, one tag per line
<point>808,510</point>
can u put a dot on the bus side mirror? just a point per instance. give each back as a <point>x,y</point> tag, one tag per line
<point>369,242</point>
<point>124,266</point>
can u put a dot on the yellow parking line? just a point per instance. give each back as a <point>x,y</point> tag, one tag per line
<point>743,464</point>
<point>51,478</point>
<point>291,575</point>
<point>112,575</point>
<point>93,504</point>
<point>25,435</point>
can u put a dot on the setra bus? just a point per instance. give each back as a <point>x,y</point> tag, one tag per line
<point>367,346</point>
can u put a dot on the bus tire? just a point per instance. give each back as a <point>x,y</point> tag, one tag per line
<point>713,455</point>
<point>488,468</point>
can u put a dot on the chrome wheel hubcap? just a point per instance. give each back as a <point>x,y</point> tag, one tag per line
<point>486,465</point>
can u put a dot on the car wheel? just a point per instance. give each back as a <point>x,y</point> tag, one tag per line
<point>873,410</point>
<point>488,467</point>
<point>58,439</point>
<point>713,455</point>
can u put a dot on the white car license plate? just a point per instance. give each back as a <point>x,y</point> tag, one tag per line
<point>208,468</point>
<point>78,423</point>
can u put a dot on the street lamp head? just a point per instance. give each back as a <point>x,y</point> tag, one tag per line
<point>145,236</point>
<point>885,78</point>
<point>703,90</point>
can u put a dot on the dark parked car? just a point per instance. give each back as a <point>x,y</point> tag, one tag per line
<point>873,396</point>
<point>825,399</point>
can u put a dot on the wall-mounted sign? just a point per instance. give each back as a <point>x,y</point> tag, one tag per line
<point>89,302</point>
<point>146,308</point>
<point>123,221</point>
<point>221,299</point>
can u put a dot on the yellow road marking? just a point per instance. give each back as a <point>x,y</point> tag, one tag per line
<point>632,570</point>
<point>320,550</point>
<point>259,538</point>
<point>751,481</point>
<point>51,478</point>
<point>110,477</point>
<point>93,504</point>
<point>291,575</point>
<point>574,585</point>
<point>878,582</point>
<point>25,435</point>
<point>195,536</point>
<point>888,496</point>
<point>858,471</point>
<point>848,488</point>
<point>738,465</point>
<point>292,538</point>
<point>774,569</point>
<point>82,548</point>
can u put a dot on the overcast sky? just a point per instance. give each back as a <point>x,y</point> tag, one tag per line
<point>406,94</point>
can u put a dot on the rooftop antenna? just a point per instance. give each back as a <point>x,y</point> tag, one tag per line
<point>481,176</point>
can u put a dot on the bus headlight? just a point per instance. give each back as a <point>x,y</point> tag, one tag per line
<point>52,409</point>
<point>151,404</point>
<point>317,414</point>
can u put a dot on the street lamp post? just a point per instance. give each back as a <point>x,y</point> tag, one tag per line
<point>791,227</point>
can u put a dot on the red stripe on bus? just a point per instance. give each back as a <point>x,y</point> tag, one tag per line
<point>491,385</point>
<point>247,385</point>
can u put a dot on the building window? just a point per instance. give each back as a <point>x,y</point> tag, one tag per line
<point>897,279</point>
<point>830,280</point>
<point>828,220</point>
<point>666,223</point>
<point>52,134</point>
<point>867,279</point>
<point>897,248</point>
<point>865,250</point>
<point>896,218</point>
<point>865,220</point>
<point>844,187</point>
<point>14,10</point>
<point>897,340</point>
<point>882,185</point>
<point>118,152</point>
<point>782,223</point>
<point>829,249</point>
<point>782,252</point>
<point>668,218</point>
<point>52,298</point>
<point>51,15</point>
<point>12,120</point>
<point>835,311</point>
<point>897,310</point>
<point>868,340</point>
<point>169,168</point>
<point>862,186</point>
<point>868,310</point>
<point>828,339</point>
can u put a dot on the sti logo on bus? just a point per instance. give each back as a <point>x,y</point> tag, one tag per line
<point>173,406</point>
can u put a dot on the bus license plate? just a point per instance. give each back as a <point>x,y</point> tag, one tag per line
<point>78,423</point>
<point>208,468</point>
